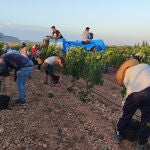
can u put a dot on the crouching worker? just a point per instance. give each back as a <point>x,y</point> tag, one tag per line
<point>49,63</point>
<point>23,67</point>
<point>135,77</point>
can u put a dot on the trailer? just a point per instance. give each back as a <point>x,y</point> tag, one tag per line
<point>65,46</point>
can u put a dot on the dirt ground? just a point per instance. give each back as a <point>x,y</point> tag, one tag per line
<point>55,118</point>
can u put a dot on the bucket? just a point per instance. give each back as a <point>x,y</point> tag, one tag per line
<point>4,101</point>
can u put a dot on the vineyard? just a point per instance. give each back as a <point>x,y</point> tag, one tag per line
<point>89,65</point>
<point>77,114</point>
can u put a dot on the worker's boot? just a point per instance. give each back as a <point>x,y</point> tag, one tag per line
<point>117,138</point>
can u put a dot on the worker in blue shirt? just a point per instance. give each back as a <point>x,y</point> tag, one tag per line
<point>23,67</point>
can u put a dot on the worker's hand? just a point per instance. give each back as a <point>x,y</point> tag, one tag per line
<point>45,64</point>
<point>122,104</point>
<point>59,61</point>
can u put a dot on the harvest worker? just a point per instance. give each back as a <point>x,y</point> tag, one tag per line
<point>33,54</point>
<point>23,44</point>
<point>49,63</point>
<point>134,76</point>
<point>24,51</point>
<point>38,57</point>
<point>7,49</point>
<point>55,33</point>
<point>86,36</point>
<point>23,66</point>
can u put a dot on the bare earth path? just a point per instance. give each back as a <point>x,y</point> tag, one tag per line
<point>62,122</point>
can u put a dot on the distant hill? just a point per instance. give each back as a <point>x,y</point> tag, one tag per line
<point>5,38</point>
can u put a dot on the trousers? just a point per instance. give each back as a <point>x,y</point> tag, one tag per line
<point>22,77</point>
<point>137,100</point>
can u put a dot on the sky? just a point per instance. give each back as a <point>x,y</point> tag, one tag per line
<point>116,22</point>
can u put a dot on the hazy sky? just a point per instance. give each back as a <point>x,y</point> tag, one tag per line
<point>113,21</point>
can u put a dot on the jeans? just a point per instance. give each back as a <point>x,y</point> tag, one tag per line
<point>22,77</point>
<point>138,100</point>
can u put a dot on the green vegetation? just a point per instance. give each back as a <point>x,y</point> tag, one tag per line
<point>70,89</point>
<point>80,63</point>
<point>104,148</point>
<point>49,109</point>
<point>51,50</point>
<point>88,65</point>
<point>83,96</point>
<point>101,136</point>
<point>1,48</point>
<point>50,95</point>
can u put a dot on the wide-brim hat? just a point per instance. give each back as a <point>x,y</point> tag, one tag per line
<point>122,69</point>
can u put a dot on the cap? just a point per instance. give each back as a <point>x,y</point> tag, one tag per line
<point>121,71</point>
<point>53,27</point>
<point>87,28</point>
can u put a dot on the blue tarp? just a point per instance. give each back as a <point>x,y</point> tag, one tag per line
<point>67,45</point>
<point>99,44</point>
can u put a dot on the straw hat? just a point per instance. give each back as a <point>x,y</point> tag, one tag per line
<point>121,71</point>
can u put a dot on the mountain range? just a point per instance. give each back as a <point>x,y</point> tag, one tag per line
<point>5,38</point>
<point>8,38</point>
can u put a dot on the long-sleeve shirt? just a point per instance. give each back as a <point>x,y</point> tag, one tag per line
<point>137,78</point>
<point>13,61</point>
<point>12,51</point>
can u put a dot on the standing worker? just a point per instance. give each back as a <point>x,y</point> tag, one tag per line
<point>33,54</point>
<point>38,57</point>
<point>135,77</point>
<point>55,33</point>
<point>7,49</point>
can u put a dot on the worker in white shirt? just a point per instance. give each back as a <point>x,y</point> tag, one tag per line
<point>49,64</point>
<point>86,36</point>
<point>135,77</point>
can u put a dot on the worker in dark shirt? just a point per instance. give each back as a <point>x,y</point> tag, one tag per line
<point>23,67</point>
<point>55,33</point>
